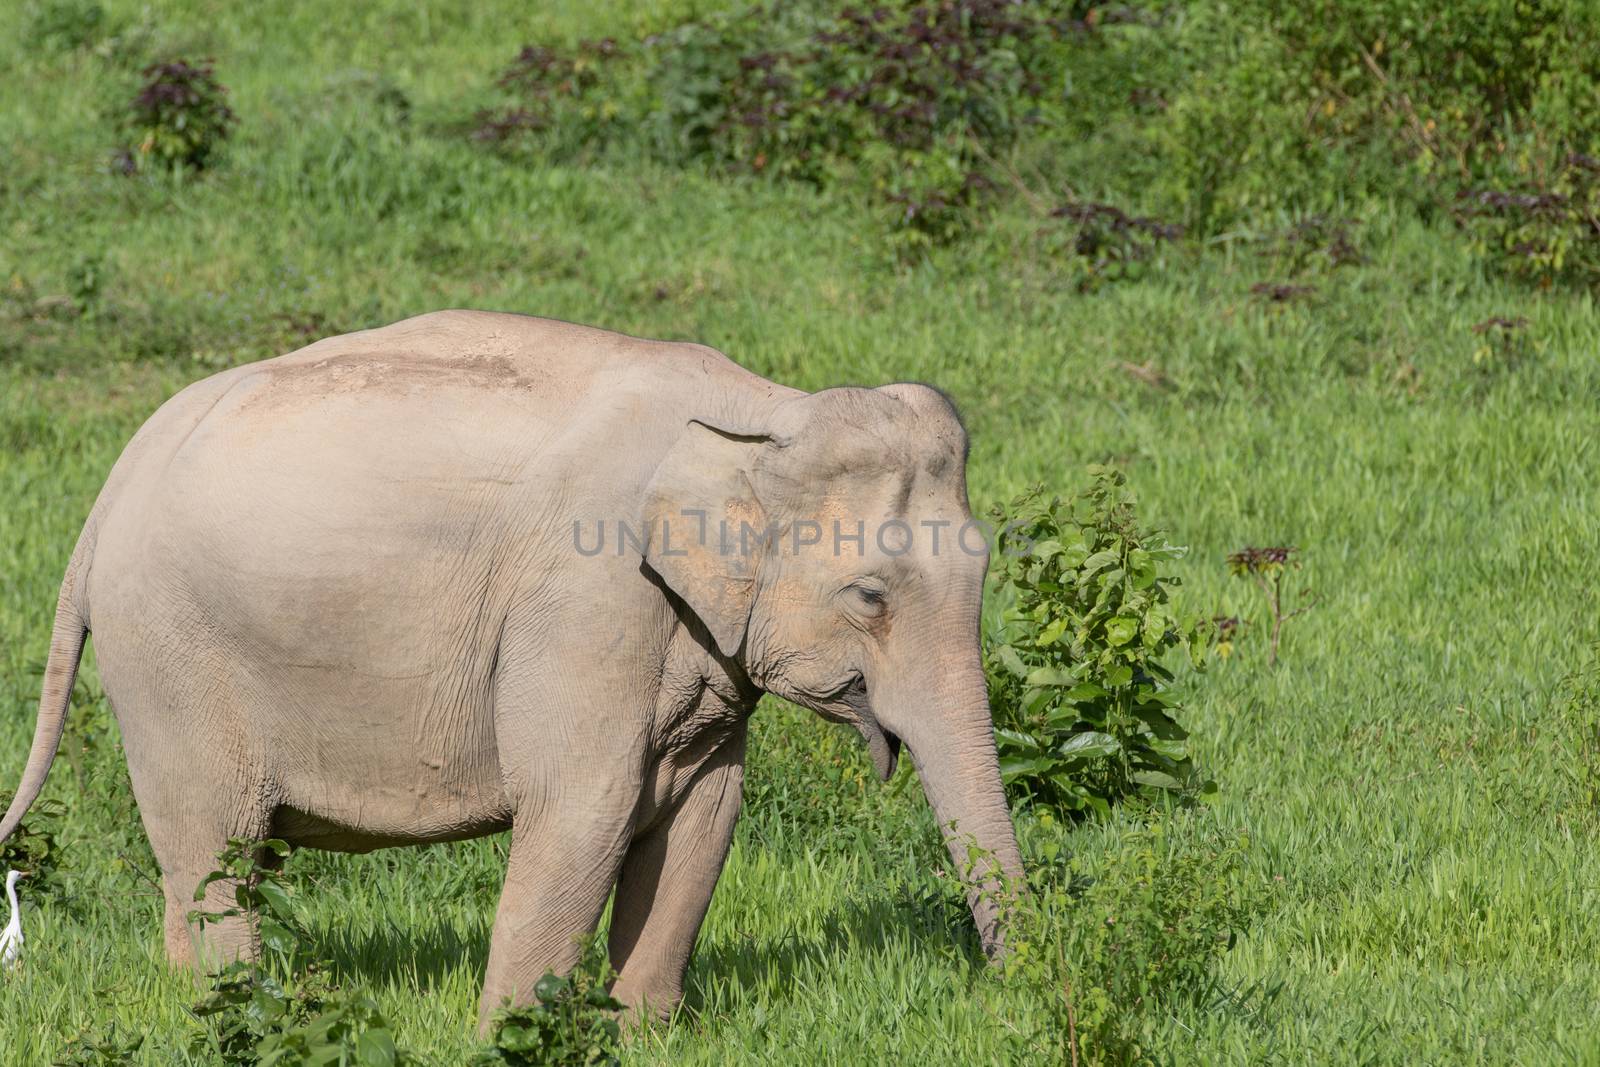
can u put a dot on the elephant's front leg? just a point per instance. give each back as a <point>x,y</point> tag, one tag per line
<point>573,778</point>
<point>667,881</point>
<point>562,867</point>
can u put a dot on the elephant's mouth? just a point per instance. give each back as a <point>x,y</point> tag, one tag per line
<point>852,704</point>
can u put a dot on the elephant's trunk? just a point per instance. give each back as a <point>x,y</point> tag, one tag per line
<point>950,734</point>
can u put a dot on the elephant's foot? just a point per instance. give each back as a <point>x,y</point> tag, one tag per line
<point>646,1002</point>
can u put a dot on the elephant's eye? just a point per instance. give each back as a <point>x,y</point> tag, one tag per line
<point>869,595</point>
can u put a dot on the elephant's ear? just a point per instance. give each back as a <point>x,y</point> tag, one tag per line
<point>704,527</point>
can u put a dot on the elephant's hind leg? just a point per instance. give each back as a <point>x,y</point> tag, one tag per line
<point>197,787</point>
<point>186,834</point>
<point>210,946</point>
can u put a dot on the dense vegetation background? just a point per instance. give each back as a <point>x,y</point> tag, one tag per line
<point>1317,274</point>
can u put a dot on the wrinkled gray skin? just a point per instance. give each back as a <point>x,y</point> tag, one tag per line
<point>336,599</point>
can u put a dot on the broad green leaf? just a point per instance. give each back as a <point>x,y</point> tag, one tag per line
<point>1015,767</point>
<point>550,987</point>
<point>1157,780</point>
<point>1160,723</point>
<point>1043,676</point>
<point>276,936</point>
<point>375,1048</point>
<point>1173,750</point>
<point>517,1038</point>
<point>1089,745</point>
<point>1018,741</point>
<point>275,896</point>
<point>1099,561</point>
<point>1065,718</point>
<point>1012,662</point>
<point>1051,633</point>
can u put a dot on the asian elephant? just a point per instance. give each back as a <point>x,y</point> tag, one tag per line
<point>474,571</point>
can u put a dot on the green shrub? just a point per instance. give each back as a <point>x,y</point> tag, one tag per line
<point>1082,706</point>
<point>1109,945</point>
<point>178,118</point>
<point>33,848</point>
<point>1111,244</point>
<point>1308,105</point>
<point>1447,82</point>
<point>572,1022</point>
<point>1546,232</point>
<point>99,1048</point>
<point>908,101</point>
<point>282,1011</point>
<point>1209,113</point>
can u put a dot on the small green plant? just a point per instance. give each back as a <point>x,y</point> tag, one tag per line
<point>86,283</point>
<point>1503,346</point>
<point>572,1022</point>
<point>1108,945</point>
<point>1082,705</point>
<point>283,1011</point>
<point>1316,239</point>
<point>102,1047</point>
<point>260,894</point>
<point>343,1027</point>
<point>1545,232</point>
<point>1267,568</point>
<point>179,118</point>
<point>1111,244</point>
<point>33,848</point>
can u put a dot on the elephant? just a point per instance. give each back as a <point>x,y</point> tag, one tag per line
<point>474,572</point>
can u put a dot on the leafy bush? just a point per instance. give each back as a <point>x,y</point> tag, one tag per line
<point>1303,105</point>
<point>260,894</point>
<point>99,1048</point>
<point>907,100</point>
<point>572,1021</point>
<point>540,80</point>
<point>254,1018</point>
<point>1445,81</point>
<point>1208,113</point>
<point>179,117</point>
<point>1110,944</point>
<point>282,1011</point>
<point>1545,233</point>
<point>1111,243</point>
<point>33,848</point>
<point>1082,706</point>
<point>1317,238</point>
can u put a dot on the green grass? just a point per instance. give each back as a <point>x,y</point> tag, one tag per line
<point>1426,870</point>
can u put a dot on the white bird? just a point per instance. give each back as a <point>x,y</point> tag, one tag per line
<point>11,936</point>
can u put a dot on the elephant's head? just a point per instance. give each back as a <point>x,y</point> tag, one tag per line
<point>827,546</point>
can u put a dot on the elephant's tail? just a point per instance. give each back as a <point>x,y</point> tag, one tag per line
<point>60,671</point>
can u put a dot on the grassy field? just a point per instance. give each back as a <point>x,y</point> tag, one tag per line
<point>1420,839</point>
